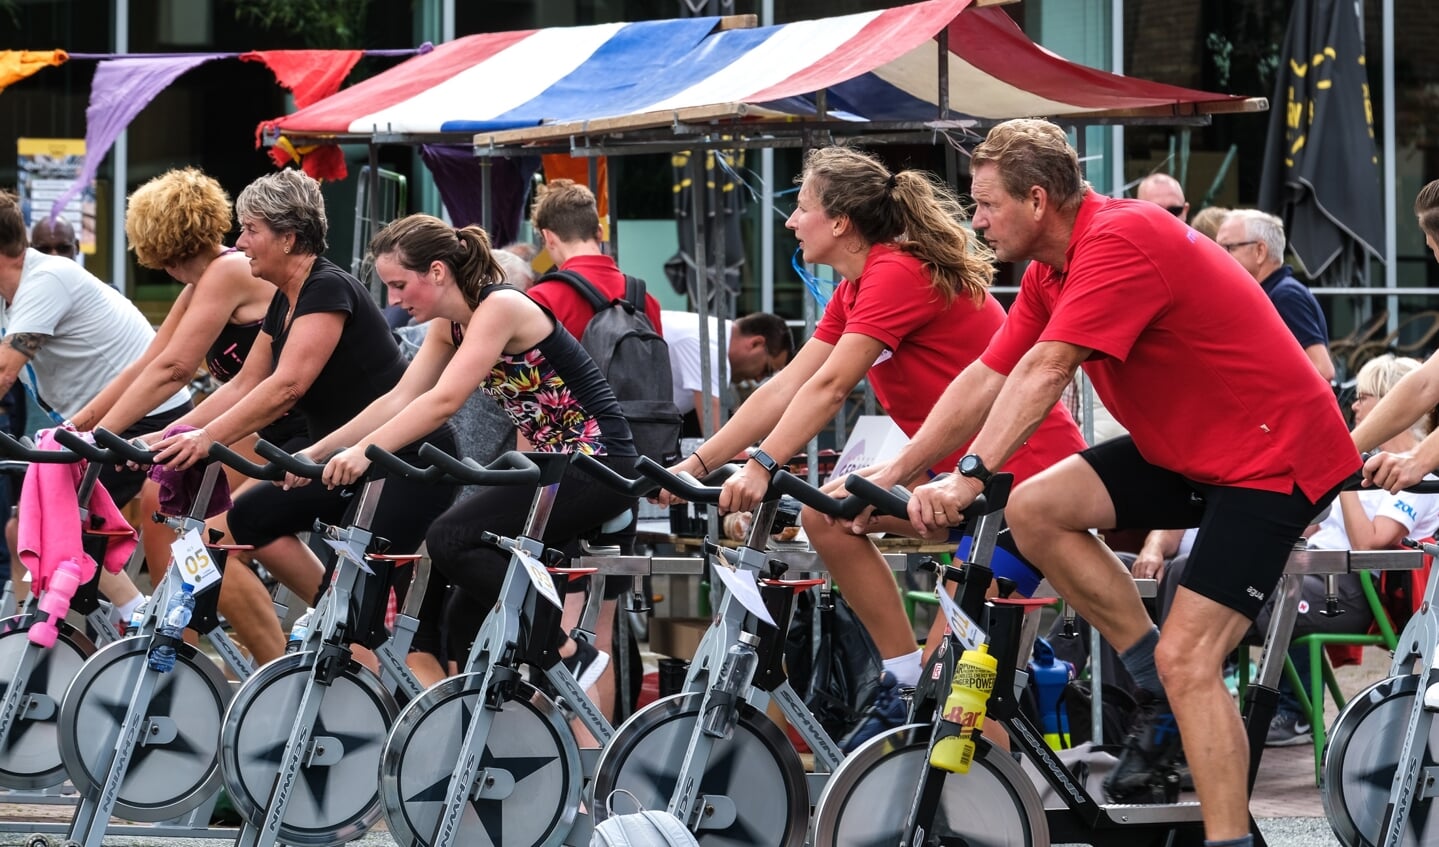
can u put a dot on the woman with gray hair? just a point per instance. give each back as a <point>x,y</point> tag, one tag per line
<point>323,348</point>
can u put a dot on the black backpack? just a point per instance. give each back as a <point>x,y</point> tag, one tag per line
<point>635,360</point>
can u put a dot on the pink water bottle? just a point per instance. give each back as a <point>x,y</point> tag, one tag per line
<point>55,602</point>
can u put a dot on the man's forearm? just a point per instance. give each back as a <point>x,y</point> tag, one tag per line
<point>956,417</point>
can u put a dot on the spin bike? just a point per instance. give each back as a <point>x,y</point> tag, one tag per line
<point>1381,766</point>
<point>485,757</point>
<point>887,787</point>
<point>744,784</point>
<point>300,741</point>
<point>36,678</point>
<point>139,743</point>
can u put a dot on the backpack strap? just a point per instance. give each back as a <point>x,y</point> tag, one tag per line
<point>587,289</point>
<point>635,293</point>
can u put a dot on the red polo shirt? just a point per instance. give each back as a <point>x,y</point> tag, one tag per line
<point>927,343</point>
<point>1189,354</point>
<point>571,309</point>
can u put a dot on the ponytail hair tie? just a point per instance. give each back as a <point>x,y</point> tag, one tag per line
<point>889,184</point>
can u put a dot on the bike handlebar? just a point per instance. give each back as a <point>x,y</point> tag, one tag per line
<point>127,450</point>
<point>641,487</point>
<point>288,462</point>
<point>224,455</point>
<point>509,468</point>
<point>13,448</point>
<point>75,443</point>
<point>845,508</point>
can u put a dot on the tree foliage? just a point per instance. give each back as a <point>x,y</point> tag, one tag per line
<point>320,24</point>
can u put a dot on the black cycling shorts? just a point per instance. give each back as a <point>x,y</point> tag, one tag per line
<point>1245,534</point>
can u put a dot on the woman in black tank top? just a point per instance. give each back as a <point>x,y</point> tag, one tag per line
<point>490,337</point>
<point>177,223</point>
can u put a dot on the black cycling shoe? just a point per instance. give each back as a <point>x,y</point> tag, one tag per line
<point>1151,750</point>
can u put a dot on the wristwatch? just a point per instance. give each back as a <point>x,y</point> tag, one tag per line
<point>766,461</point>
<point>973,467</point>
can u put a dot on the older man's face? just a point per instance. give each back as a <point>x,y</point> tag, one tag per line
<point>57,239</point>
<point>1234,237</point>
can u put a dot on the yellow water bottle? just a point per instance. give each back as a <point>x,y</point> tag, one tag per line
<point>968,693</point>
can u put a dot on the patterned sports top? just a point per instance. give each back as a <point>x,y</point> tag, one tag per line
<point>556,397</point>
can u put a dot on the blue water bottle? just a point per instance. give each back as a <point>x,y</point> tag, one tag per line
<point>1049,675</point>
<point>172,626</point>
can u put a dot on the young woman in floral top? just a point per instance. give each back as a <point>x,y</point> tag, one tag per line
<point>492,337</point>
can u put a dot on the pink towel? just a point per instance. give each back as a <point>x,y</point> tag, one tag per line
<point>50,520</point>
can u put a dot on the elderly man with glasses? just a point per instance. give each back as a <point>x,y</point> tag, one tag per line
<point>1256,240</point>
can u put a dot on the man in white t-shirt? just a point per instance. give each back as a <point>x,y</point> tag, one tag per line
<point>66,336</point>
<point>756,346</point>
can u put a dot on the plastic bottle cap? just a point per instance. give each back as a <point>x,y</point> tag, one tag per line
<point>749,638</point>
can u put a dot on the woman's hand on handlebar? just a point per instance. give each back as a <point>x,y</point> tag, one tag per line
<point>688,465</point>
<point>1393,471</point>
<point>938,505</point>
<point>182,450</point>
<point>346,467</point>
<point>744,490</point>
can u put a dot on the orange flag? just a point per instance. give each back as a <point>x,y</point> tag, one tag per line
<point>15,65</point>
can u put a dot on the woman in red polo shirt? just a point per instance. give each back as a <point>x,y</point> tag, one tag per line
<point>912,312</point>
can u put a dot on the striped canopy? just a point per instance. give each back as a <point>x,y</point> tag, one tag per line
<point>872,66</point>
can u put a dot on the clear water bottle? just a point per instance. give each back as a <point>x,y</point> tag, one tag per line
<point>734,679</point>
<point>177,617</point>
<point>299,631</point>
<point>137,617</point>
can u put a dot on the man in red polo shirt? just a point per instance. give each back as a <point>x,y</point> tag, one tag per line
<point>568,219</point>
<point>1231,430</point>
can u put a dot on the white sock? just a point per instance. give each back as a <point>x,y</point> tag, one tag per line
<point>905,668</point>
<point>123,611</point>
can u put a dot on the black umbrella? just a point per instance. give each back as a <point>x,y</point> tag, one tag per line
<point>1321,168</point>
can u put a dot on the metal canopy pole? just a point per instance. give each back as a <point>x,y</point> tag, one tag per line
<point>701,275</point>
<point>1391,164</point>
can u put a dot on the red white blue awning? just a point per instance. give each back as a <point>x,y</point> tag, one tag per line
<point>873,66</point>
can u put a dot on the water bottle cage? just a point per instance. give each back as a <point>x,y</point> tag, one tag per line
<point>947,728</point>
<point>331,662</point>
<point>160,639</point>
<point>503,679</point>
<point>720,699</point>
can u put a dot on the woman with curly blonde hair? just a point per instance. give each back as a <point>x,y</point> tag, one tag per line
<point>913,310</point>
<point>177,222</point>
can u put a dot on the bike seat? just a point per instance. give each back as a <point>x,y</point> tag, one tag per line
<point>398,558</point>
<point>795,585</point>
<point>1029,603</point>
<point>572,574</point>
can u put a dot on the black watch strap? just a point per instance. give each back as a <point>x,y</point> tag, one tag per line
<point>765,461</point>
<point>973,467</point>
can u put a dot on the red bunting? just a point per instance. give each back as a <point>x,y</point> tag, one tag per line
<point>321,161</point>
<point>312,75</point>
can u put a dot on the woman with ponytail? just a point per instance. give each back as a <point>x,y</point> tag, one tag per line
<point>912,312</point>
<point>489,336</point>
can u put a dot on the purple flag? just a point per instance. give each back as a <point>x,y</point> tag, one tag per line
<point>121,88</point>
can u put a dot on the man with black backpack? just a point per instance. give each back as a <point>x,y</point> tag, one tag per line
<point>601,306</point>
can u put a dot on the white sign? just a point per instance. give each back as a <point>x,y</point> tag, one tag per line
<point>875,438</point>
<point>345,551</point>
<point>962,625</point>
<point>540,577</point>
<point>745,589</point>
<point>196,566</point>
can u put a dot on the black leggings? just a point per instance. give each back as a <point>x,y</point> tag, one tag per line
<point>466,574</point>
<point>264,513</point>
